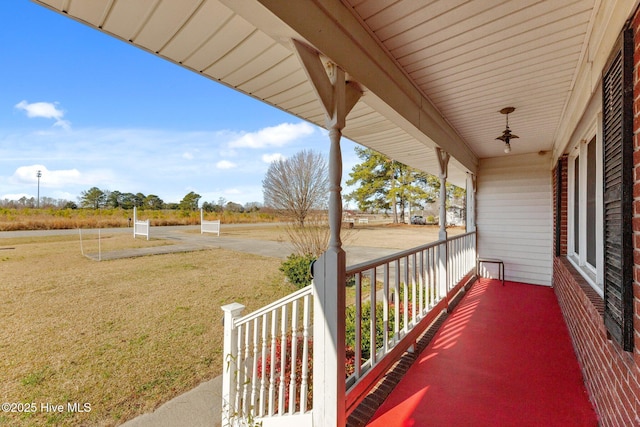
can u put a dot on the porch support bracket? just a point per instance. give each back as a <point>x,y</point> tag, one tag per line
<point>338,97</point>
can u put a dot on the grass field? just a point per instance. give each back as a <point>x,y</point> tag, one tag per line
<point>126,335</point>
<point>122,336</point>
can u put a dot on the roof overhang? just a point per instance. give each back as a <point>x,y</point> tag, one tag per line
<point>433,73</point>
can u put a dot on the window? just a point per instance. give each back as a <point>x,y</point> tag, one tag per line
<point>576,204</point>
<point>617,119</point>
<point>585,232</point>
<point>591,203</point>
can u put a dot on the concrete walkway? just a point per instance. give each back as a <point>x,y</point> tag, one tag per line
<point>200,407</point>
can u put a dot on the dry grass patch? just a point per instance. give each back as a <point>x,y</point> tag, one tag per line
<point>123,335</point>
<point>392,236</point>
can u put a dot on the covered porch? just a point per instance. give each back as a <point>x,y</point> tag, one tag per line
<point>424,83</point>
<point>474,351</point>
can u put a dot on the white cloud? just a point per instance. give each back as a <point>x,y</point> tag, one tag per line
<point>187,155</point>
<point>274,136</point>
<point>58,178</point>
<point>40,109</point>
<point>45,110</point>
<point>28,175</point>
<point>225,164</point>
<point>16,196</point>
<point>268,158</point>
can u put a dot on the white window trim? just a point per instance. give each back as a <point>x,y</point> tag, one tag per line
<point>594,275</point>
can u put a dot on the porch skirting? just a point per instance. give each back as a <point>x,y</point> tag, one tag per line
<point>611,375</point>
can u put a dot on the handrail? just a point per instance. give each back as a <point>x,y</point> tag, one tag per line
<point>356,268</point>
<point>307,290</point>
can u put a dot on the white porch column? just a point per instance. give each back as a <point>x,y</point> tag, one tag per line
<point>338,98</point>
<point>443,162</point>
<point>471,203</point>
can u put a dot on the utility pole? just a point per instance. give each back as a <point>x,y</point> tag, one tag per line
<point>38,174</point>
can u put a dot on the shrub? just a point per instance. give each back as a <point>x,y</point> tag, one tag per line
<point>287,373</point>
<point>350,326</point>
<point>296,269</point>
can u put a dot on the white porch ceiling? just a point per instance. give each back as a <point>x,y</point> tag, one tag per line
<point>434,73</point>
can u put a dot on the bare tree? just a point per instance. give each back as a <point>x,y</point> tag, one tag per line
<point>297,185</point>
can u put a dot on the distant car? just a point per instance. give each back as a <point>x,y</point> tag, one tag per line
<point>418,219</point>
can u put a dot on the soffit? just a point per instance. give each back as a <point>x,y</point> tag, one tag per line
<point>472,58</point>
<point>453,64</point>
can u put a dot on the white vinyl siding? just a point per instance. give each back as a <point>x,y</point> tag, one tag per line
<point>515,215</point>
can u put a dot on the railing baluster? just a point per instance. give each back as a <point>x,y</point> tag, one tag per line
<point>272,365</point>
<point>438,275</point>
<point>263,368</point>
<point>240,371</point>
<point>396,302</point>
<point>456,258</point>
<point>358,327</point>
<point>283,360</point>
<point>414,302</point>
<point>294,355</point>
<point>434,277</point>
<point>418,274</point>
<point>304,383</point>
<point>385,309</point>
<point>246,367</point>
<point>373,345</point>
<point>405,287</point>
<point>254,367</point>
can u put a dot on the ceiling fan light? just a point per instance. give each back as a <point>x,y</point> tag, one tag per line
<point>507,135</point>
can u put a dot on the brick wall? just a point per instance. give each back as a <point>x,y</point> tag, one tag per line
<point>563,163</point>
<point>612,375</point>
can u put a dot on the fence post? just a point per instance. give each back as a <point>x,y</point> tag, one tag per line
<point>230,354</point>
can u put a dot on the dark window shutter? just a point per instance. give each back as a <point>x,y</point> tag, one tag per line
<point>617,116</point>
<point>558,230</point>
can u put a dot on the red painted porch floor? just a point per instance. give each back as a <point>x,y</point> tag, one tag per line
<point>503,357</point>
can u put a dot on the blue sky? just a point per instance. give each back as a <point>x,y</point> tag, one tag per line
<point>91,111</point>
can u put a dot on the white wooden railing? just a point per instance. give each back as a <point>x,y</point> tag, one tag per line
<point>267,369</point>
<point>390,302</point>
<point>393,300</point>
